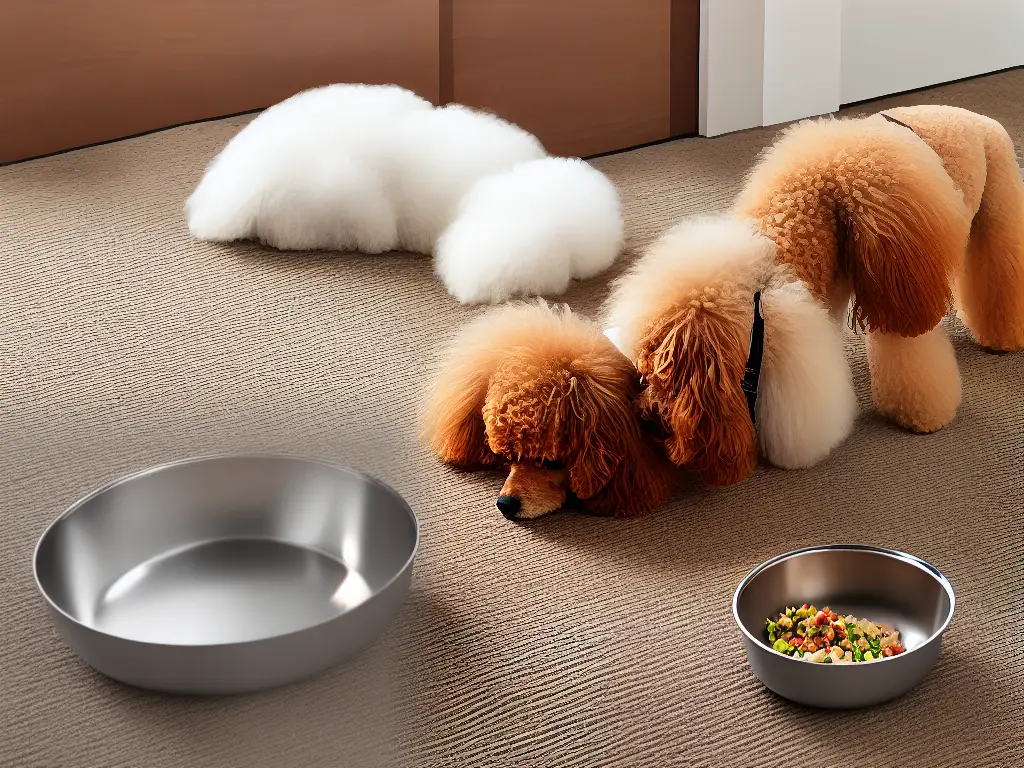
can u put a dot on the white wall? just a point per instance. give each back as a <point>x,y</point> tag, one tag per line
<point>767,61</point>
<point>801,59</point>
<point>898,45</point>
<point>731,65</point>
<point>764,62</point>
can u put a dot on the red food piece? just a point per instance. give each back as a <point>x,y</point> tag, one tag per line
<point>796,641</point>
<point>820,619</point>
<point>804,607</point>
<point>897,649</point>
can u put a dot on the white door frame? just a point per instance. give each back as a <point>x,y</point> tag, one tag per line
<point>764,62</point>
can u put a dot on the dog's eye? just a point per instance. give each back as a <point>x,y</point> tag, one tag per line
<point>549,464</point>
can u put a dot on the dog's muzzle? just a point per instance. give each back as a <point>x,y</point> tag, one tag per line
<point>509,506</point>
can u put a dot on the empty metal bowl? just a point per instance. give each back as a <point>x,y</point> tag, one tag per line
<point>881,585</point>
<point>227,574</point>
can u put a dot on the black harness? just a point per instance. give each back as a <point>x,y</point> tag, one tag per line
<point>894,120</point>
<point>755,356</point>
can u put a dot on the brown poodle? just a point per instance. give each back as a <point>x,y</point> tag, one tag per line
<point>896,212</point>
<point>546,393</point>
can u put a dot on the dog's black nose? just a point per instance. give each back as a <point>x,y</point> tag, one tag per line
<point>509,506</point>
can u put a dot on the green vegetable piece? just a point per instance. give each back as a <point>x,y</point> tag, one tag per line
<point>868,656</point>
<point>858,655</point>
<point>782,646</point>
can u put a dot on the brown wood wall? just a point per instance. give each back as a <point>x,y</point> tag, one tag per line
<point>586,76</point>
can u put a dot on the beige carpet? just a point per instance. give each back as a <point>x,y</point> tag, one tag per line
<point>571,642</point>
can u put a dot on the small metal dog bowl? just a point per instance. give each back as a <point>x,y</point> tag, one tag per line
<point>227,574</point>
<point>881,585</point>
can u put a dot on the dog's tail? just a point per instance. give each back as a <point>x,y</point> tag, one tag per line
<point>900,224</point>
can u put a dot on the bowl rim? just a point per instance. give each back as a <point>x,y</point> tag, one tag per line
<point>209,458</point>
<point>924,565</point>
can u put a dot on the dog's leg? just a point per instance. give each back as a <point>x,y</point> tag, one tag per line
<point>991,288</point>
<point>915,381</point>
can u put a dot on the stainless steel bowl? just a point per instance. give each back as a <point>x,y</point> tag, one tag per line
<point>227,574</point>
<point>881,585</point>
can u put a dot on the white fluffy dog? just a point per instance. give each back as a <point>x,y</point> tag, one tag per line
<point>535,227</point>
<point>377,168</point>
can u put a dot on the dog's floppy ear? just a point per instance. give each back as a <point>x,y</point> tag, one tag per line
<point>806,403</point>
<point>591,412</point>
<point>694,359</point>
<point>902,228</point>
<point>615,470</point>
<point>453,424</point>
<point>896,291</point>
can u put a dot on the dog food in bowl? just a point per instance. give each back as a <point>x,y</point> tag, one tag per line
<point>825,637</point>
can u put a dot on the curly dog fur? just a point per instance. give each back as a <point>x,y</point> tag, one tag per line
<point>545,393</point>
<point>895,218</point>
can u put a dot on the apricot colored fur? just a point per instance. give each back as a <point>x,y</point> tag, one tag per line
<point>528,383</point>
<point>915,381</point>
<point>869,201</point>
<point>685,311</point>
<point>899,221</point>
<point>711,430</point>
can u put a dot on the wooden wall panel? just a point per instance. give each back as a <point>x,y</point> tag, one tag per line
<point>74,72</point>
<point>685,65</point>
<point>586,76</point>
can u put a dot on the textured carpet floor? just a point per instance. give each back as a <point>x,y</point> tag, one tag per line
<point>571,642</point>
